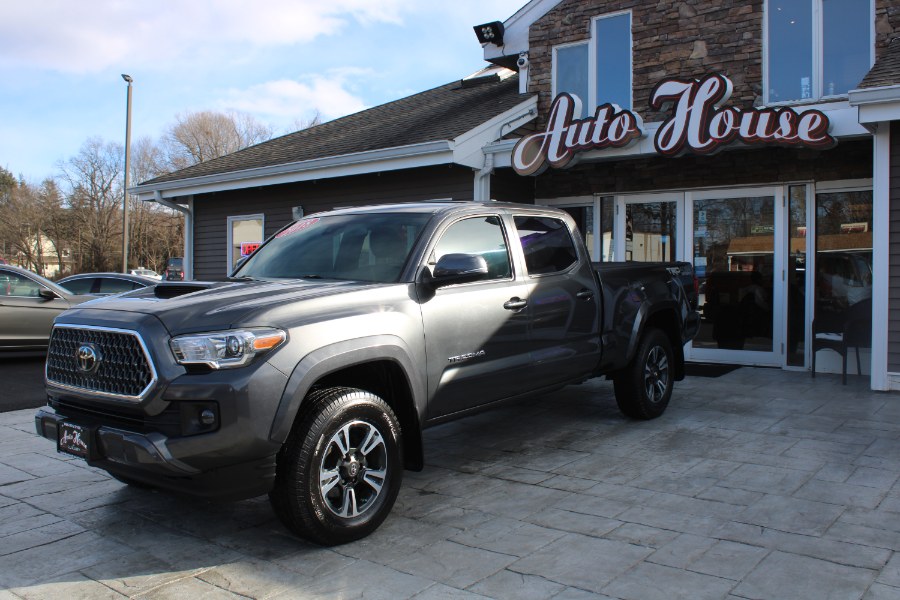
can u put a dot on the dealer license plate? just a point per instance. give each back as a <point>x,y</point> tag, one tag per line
<point>74,439</point>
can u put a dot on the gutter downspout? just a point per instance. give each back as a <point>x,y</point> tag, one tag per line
<point>483,180</point>
<point>188,232</point>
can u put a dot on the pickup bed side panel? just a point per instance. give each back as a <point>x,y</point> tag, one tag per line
<point>635,294</point>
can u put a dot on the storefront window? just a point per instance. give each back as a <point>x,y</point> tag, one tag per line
<point>599,71</point>
<point>245,234</point>
<point>844,44</point>
<point>843,253</point>
<point>650,229</point>
<point>734,249</point>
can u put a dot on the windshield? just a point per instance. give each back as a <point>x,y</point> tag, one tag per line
<point>365,247</point>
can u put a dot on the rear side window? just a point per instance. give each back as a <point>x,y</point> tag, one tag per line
<point>115,286</point>
<point>547,244</point>
<point>477,235</point>
<point>79,286</point>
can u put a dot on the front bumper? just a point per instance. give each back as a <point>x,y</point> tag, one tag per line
<point>150,458</point>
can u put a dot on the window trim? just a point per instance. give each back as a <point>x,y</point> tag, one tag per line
<point>555,69</point>
<point>818,55</point>
<point>229,231</point>
<point>591,42</point>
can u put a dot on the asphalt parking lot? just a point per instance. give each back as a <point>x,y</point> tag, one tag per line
<point>756,484</point>
<point>22,382</point>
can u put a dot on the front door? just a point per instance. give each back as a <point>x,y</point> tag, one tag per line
<point>739,266</point>
<point>729,236</point>
<point>476,333</point>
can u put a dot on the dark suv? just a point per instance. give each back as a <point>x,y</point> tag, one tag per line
<point>174,270</point>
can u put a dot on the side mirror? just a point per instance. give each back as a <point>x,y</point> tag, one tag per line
<point>47,294</point>
<point>459,268</point>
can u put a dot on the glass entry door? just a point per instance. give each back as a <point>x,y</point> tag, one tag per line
<point>730,238</point>
<point>740,269</point>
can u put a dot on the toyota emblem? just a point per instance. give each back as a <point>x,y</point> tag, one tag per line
<point>88,358</point>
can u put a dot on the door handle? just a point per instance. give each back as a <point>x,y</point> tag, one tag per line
<point>515,303</point>
<point>584,295</point>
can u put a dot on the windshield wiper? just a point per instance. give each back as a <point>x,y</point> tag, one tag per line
<point>310,276</point>
<point>241,278</point>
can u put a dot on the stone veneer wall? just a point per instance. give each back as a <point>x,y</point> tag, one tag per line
<point>687,38</point>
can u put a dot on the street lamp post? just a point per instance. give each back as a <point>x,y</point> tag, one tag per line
<point>128,80</point>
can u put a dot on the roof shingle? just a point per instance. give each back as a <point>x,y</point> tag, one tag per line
<point>442,113</point>
<point>886,70</point>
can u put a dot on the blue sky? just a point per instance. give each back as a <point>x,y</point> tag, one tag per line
<point>279,60</point>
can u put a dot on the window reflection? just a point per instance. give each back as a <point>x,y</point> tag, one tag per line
<point>734,261</point>
<point>650,231</point>
<point>843,250</point>
<point>572,73</point>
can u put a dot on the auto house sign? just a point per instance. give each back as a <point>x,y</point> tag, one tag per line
<point>697,123</point>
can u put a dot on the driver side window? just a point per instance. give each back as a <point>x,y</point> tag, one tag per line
<point>481,236</point>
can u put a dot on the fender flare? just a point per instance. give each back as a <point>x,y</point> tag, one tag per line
<point>340,355</point>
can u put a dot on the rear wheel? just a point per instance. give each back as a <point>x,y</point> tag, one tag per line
<point>644,387</point>
<point>340,470</point>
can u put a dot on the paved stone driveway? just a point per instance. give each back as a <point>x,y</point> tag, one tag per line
<point>757,484</point>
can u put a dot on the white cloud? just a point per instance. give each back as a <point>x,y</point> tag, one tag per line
<point>89,36</point>
<point>330,94</point>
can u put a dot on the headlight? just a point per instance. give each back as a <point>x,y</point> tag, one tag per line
<point>225,349</point>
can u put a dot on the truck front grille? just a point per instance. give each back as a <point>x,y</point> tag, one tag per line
<point>100,360</point>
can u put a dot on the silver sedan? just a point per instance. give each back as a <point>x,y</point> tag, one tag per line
<point>28,305</point>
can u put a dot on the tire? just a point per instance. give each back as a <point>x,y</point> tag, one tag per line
<point>644,387</point>
<point>339,472</point>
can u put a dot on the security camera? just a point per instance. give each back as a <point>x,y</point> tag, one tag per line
<point>523,60</point>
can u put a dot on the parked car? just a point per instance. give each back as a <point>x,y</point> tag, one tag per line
<point>28,305</point>
<point>312,372</point>
<point>105,284</point>
<point>174,269</point>
<point>145,273</point>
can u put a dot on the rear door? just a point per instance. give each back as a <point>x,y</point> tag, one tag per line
<point>476,333</point>
<point>563,304</point>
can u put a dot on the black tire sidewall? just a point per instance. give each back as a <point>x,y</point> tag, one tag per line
<point>631,393</point>
<point>296,495</point>
<point>373,414</point>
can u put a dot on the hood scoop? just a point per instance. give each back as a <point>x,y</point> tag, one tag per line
<point>166,290</point>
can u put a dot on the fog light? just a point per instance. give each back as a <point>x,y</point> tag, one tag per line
<point>207,417</point>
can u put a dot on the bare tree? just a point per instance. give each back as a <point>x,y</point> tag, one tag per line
<point>200,136</point>
<point>94,182</point>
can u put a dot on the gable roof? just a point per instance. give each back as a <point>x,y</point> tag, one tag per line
<point>440,114</point>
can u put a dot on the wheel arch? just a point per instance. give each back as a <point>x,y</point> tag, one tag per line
<point>666,319</point>
<point>379,364</point>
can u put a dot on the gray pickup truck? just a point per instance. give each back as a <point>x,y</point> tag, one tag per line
<point>312,372</point>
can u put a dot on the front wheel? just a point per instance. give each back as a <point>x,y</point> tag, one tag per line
<point>340,470</point>
<point>644,387</point>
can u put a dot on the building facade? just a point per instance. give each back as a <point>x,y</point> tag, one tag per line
<point>747,157</point>
<point>752,139</point>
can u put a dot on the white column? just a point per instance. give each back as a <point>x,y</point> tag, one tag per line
<point>881,218</point>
